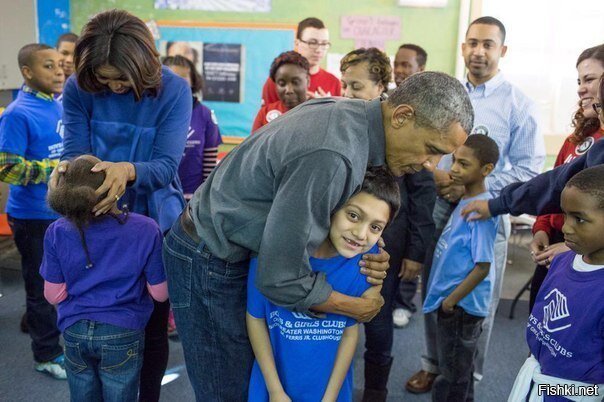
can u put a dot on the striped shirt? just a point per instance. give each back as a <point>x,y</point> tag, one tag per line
<point>509,117</point>
<point>15,169</point>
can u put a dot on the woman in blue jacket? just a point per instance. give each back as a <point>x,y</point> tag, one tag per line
<point>126,109</point>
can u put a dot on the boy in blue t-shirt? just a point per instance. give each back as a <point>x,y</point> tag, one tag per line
<point>461,284</point>
<point>30,146</point>
<point>565,331</point>
<point>302,358</point>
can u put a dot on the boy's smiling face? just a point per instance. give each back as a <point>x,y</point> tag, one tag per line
<point>358,225</point>
<point>45,74</point>
<point>583,223</point>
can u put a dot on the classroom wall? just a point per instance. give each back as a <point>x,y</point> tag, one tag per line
<point>435,29</point>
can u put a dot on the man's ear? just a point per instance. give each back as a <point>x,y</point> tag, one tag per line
<point>27,73</point>
<point>504,50</point>
<point>487,169</point>
<point>422,68</point>
<point>401,115</point>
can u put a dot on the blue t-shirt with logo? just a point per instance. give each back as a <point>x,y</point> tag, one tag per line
<point>460,247</point>
<point>31,127</point>
<point>565,331</point>
<point>125,257</point>
<point>305,348</point>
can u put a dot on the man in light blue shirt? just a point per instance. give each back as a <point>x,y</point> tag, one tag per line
<point>506,115</point>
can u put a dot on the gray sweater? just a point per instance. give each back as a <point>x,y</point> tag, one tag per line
<point>275,193</point>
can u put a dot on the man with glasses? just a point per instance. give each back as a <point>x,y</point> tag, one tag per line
<point>312,42</point>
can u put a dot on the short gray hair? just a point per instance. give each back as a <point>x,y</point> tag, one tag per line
<point>438,99</point>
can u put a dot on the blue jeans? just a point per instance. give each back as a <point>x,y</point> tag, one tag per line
<point>103,361</point>
<point>209,299</point>
<point>457,337</point>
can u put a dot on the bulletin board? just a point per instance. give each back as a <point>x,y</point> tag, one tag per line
<point>260,44</point>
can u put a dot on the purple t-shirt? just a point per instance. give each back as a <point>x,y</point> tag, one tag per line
<point>203,133</point>
<point>113,290</point>
<point>565,331</point>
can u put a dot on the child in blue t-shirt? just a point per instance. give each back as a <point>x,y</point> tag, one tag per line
<point>303,358</point>
<point>565,331</point>
<point>30,146</point>
<point>100,272</point>
<point>461,282</point>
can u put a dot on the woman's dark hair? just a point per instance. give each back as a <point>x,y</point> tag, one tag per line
<point>380,183</point>
<point>379,68</point>
<point>181,61</point>
<point>586,126</point>
<point>123,41</point>
<point>290,57</point>
<point>74,195</point>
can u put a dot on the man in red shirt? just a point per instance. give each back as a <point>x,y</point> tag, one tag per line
<point>312,42</point>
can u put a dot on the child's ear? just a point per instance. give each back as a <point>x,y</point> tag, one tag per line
<point>487,169</point>
<point>27,73</point>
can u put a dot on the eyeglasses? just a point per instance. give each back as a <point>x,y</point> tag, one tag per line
<point>313,44</point>
<point>597,107</point>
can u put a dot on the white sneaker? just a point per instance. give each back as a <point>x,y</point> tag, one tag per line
<point>400,317</point>
<point>55,368</point>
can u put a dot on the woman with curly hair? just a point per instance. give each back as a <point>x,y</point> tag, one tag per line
<point>548,240</point>
<point>290,73</point>
<point>365,73</point>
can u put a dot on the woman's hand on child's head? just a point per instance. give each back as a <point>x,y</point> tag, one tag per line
<point>56,172</point>
<point>375,266</point>
<point>476,210</point>
<point>546,256</point>
<point>539,244</point>
<point>410,270</point>
<point>117,176</point>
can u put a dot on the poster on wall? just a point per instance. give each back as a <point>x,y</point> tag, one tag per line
<point>370,31</point>
<point>250,6</point>
<point>190,50</point>
<point>223,67</point>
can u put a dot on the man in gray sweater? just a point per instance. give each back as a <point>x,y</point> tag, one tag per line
<point>273,196</point>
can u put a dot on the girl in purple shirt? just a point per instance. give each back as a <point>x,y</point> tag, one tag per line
<point>203,139</point>
<point>100,272</point>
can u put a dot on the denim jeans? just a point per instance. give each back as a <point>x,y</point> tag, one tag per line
<point>103,361</point>
<point>457,337</point>
<point>209,298</point>
<point>41,315</point>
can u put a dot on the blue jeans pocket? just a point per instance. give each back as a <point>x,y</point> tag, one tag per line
<point>179,270</point>
<point>73,358</point>
<point>120,358</point>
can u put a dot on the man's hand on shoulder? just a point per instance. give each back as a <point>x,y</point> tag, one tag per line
<point>376,265</point>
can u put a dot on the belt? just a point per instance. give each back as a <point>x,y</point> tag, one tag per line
<point>188,226</point>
